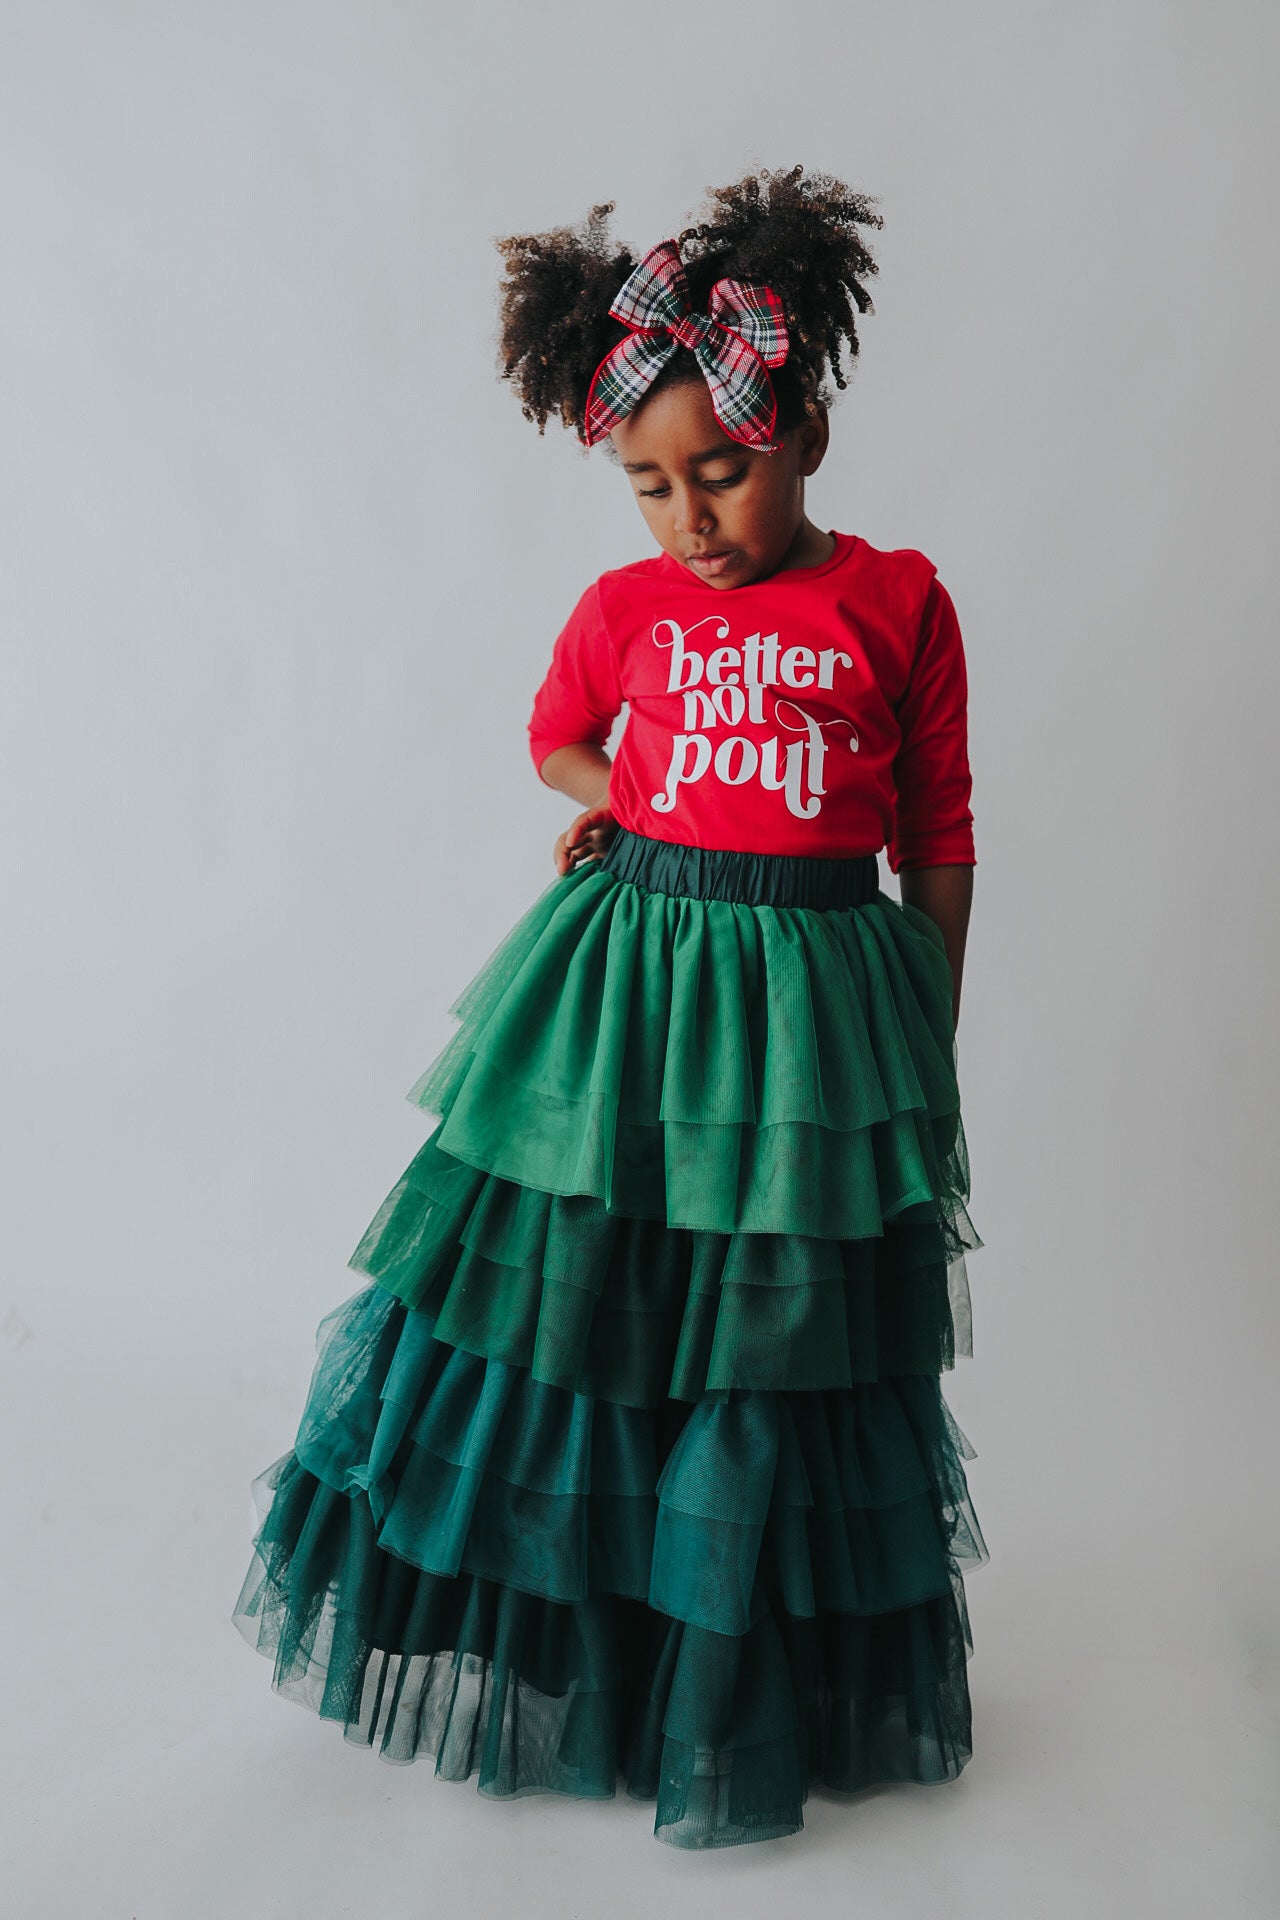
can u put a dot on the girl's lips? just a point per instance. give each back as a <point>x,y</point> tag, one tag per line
<point>713,562</point>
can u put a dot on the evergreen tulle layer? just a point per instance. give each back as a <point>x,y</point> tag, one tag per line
<point>632,1460</point>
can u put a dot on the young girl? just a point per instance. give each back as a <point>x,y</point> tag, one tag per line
<point>632,1460</point>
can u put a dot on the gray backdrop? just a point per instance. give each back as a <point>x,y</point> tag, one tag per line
<point>281,569</point>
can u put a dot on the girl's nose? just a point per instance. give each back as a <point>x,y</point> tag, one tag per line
<point>692,516</point>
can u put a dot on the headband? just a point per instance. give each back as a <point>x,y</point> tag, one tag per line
<point>742,334</point>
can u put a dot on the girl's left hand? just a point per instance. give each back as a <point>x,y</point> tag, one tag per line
<point>585,838</point>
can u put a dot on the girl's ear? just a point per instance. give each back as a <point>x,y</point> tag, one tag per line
<point>813,436</point>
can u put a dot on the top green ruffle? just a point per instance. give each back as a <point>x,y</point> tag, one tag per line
<point>719,1066</point>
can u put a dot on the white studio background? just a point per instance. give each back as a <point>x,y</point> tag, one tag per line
<point>280,569</point>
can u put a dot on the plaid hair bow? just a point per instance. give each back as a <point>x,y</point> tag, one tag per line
<point>742,334</point>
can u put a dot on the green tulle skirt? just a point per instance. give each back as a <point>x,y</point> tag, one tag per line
<point>631,1458</point>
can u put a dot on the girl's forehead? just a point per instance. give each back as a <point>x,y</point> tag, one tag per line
<point>674,424</point>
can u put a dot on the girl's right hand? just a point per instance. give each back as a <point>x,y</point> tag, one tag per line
<point>585,838</point>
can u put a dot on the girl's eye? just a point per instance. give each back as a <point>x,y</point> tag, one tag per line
<point>729,480</point>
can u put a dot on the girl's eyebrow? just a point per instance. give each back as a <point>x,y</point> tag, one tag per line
<point>650,466</point>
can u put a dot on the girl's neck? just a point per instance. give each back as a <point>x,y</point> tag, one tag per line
<point>810,547</point>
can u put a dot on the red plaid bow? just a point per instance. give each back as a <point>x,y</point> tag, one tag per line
<point>742,334</point>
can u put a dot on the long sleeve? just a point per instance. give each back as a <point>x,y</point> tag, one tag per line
<point>581,696</point>
<point>933,823</point>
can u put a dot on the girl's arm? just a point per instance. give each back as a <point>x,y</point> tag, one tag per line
<point>946,895</point>
<point>582,771</point>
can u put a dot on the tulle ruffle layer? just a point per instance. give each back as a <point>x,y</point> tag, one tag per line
<point>851,1500</point>
<point>719,1067</point>
<point>725,1734</point>
<point>724,1604</point>
<point>632,1311</point>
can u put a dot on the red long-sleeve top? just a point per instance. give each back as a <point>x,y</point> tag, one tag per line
<point>822,710</point>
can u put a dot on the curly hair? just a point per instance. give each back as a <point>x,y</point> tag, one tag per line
<point>797,232</point>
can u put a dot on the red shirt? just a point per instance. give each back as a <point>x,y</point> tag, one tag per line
<point>822,710</point>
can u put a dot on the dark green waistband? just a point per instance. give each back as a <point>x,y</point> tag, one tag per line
<point>752,879</point>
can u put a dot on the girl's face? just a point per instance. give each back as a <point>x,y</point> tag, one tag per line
<point>726,512</point>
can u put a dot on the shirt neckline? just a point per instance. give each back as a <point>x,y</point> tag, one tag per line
<point>845,545</point>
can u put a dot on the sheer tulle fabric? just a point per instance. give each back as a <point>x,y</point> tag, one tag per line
<point>631,1460</point>
<point>715,1066</point>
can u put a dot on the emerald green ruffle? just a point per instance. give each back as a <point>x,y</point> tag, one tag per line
<point>633,1311</point>
<point>724,1603</point>
<point>857,1500</point>
<point>725,1734</point>
<point>720,1067</point>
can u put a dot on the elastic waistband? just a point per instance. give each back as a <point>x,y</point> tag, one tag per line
<point>751,879</point>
